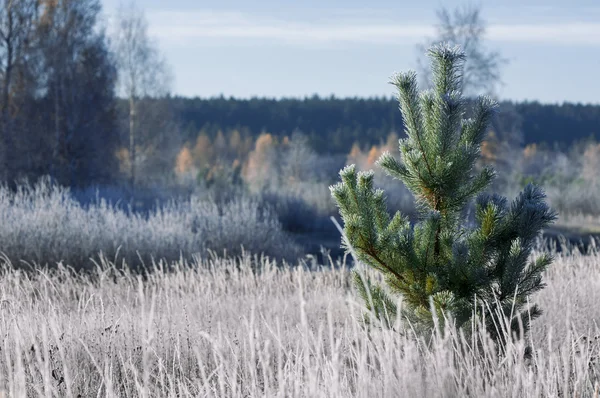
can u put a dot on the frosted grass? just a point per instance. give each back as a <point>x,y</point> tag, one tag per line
<point>245,327</point>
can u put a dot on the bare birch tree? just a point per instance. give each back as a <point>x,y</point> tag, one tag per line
<point>464,27</point>
<point>143,72</point>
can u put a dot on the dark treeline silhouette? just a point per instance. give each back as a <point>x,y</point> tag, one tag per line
<point>58,113</point>
<point>334,124</point>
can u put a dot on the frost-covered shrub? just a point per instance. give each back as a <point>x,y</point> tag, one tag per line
<point>43,224</point>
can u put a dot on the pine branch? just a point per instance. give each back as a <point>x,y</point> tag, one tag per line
<point>409,105</point>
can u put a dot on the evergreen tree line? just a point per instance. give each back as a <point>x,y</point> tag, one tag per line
<point>335,124</point>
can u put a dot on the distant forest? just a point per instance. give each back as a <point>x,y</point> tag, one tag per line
<point>74,107</point>
<point>334,124</point>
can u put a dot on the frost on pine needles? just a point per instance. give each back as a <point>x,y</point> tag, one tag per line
<point>440,266</point>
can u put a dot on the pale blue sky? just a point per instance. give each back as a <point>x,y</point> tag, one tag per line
<point>282,48</point>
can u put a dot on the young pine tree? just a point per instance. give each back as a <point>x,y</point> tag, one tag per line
<point>441,265</point>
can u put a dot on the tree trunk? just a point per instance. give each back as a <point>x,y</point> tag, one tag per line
<point>6,123</point>
<point>132,115</point>
<point>56,149</point>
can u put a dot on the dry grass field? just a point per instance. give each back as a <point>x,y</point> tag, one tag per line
<point>245,327</point>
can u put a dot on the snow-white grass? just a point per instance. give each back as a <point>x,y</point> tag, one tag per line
<point>244,327</point>
<point>43,224</point>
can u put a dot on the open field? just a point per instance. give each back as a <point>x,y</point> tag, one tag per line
<point>246,327</point>
<point>200,324</point>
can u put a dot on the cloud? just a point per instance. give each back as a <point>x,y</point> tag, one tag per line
<point>557,33</point>
<point>176,26</point>
<point>206,26</point>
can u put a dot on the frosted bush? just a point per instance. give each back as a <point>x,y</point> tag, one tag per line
<point>43,224</point>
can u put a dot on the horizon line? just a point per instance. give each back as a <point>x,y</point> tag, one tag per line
<point>356,97</point>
